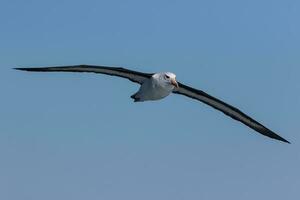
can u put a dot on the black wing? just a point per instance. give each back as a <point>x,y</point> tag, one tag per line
<point>227,110</point>
<point>135,76</point>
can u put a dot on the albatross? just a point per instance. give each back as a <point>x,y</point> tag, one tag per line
<point>156,86</point>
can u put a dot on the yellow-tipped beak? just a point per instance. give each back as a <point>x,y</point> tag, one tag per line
<point>174,82</point>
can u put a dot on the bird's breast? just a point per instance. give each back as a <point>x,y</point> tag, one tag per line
<point>153,91</point>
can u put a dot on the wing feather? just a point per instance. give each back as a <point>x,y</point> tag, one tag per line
<point>227,110</point>
<point>134,76</point>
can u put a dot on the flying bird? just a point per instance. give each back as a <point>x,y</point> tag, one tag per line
<point>156,86</point>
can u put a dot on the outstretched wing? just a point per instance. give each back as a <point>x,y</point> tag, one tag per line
<point>135,76</point>
<point>227,110</point>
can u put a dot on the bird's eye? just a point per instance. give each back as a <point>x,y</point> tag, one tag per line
<point>167,77</point>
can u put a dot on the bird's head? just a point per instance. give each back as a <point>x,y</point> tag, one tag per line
<point>168,79</point>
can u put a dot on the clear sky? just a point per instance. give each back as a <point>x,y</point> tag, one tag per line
<point>80,136</point>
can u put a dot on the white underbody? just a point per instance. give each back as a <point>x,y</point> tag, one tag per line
<point>152,89</point>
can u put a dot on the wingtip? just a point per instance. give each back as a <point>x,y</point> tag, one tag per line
<point>30,69</point>
<point>282,139</point>
<point>22,69</point>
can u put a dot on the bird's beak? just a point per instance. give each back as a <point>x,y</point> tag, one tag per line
<point>174,82</point>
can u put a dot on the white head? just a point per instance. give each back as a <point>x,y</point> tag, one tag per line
<point>168,79</point>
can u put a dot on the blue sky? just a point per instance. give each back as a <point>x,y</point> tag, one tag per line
<point>80,136</point>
